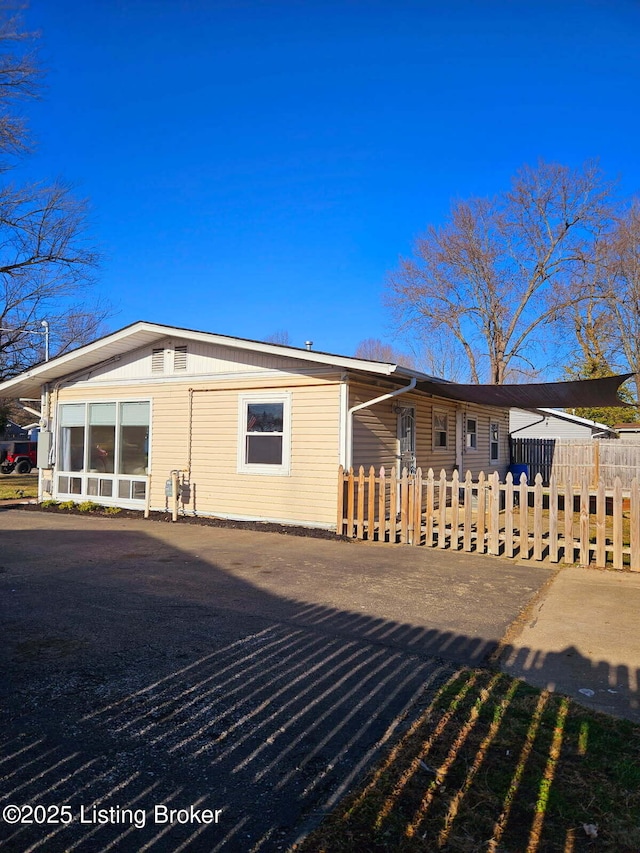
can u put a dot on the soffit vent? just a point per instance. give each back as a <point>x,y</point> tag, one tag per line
<point>180,358</point>
<point>157,361</point>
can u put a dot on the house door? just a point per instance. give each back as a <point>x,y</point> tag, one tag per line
<point>407,439</point>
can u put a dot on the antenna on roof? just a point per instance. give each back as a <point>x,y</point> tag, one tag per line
<point>308,344</point>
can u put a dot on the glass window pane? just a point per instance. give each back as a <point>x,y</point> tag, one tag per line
<point>76,485</point>
<point>102,413</point>
<point>106,488</point>
<point>124,488</point>
<point>63,485</point>
<point>92,486</point>
<point>72,414</point>
<point>102,442</point>
<point>264,449</point>
<point>134,449</point>
<point>138,490</point>
<point>134,414</point>
<point>71,448</point>
<point>265,417</point>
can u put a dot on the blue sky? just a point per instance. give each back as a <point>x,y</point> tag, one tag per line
<point>261,166</point>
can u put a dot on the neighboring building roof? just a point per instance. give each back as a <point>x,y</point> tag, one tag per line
<point>13,431</point>
<point>140,334</point>
<point>574,419</point>
<point>627,427</point>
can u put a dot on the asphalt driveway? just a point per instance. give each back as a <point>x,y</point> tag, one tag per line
<point>242,679</point>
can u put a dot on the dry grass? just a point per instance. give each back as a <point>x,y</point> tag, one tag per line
<point>495,765</point>
<point>19,485</point>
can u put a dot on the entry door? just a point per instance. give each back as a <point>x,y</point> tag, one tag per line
<point>407,439</point>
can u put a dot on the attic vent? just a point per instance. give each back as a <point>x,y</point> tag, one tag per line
<point>180,358</point>
<point>157,361</point>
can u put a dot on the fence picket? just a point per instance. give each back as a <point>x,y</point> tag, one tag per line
<point>361,502</point>
<point>393,506</point>
<point>468,511</point>
<point>430,508</point>
<point>404,506</point>
<point>350,504</point>
<point>417,521</point>
<point>585,552</point>
<point>553,520</point>
<point>494,514</point>
<point>382,506</point>
<point>601,526</point>
<point>634,532</point>
<point>455,511</point>
<point>340,515</point>
<point>523,517</point>
<point>371,506</point>
<point>537,517</point>
<point>481,514</point>
<point>568,524</point>
<point>442,510</point>
<point>508,516</point>
<point>617,523</point>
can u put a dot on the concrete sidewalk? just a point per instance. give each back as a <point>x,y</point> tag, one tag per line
<point>580,637</point>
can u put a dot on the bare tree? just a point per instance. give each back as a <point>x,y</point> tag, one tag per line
<point>280,337</point>
<point>499,273</point>
<point>376,350</point>
<point>621,289</point>
<point>46,263</point>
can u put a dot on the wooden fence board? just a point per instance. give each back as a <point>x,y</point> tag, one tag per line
<point>553,520</point>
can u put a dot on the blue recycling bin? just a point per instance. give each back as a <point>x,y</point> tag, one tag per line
<point>517,470</point>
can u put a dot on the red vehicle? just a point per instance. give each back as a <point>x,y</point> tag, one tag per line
<point>18,456</point>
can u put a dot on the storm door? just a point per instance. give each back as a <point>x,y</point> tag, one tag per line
<point>407,439</point>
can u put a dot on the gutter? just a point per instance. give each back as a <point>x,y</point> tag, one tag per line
<point>349,443</point>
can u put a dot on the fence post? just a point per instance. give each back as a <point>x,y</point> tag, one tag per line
<point>411,507</point>
<point>340,518</point>
<point>601,526</point>
<point>404,505</point>
<point>350,503</point>
<point>393,506</point>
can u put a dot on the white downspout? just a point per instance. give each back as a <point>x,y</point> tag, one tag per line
<point>381,399</point>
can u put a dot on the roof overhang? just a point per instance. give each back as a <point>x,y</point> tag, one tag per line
<point>589,392</point>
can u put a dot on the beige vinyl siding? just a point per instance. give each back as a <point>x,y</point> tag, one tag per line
<point>375,429</point>
<point>479,459</point>
<point>307,495</point>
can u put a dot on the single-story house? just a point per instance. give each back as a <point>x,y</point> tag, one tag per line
<point>554,423</point>
<point>256,430</point>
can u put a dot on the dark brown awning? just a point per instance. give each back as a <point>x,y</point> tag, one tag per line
<point>548,395</point>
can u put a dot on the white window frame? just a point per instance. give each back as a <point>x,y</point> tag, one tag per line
<point>493,458</point>
<point>471,436</point>
<point>244,467</point>
<point>445,415</point>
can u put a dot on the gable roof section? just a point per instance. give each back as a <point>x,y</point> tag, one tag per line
<point>589,392</point>
<point>574,419</point>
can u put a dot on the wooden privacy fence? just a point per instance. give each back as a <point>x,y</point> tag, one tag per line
<point>530,521</point>
<point>568,460</point>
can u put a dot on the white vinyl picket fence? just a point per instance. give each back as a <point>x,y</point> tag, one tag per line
<point>589,526</point>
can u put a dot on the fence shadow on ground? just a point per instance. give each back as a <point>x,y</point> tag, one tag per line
<point>127,688</point>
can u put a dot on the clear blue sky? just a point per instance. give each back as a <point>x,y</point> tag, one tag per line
<point>256,166</point>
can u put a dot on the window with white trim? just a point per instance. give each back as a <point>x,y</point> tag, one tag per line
<point>440,430</point>
<point>264,434</point>
<point>472,434</point>
<point>494,442</point>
